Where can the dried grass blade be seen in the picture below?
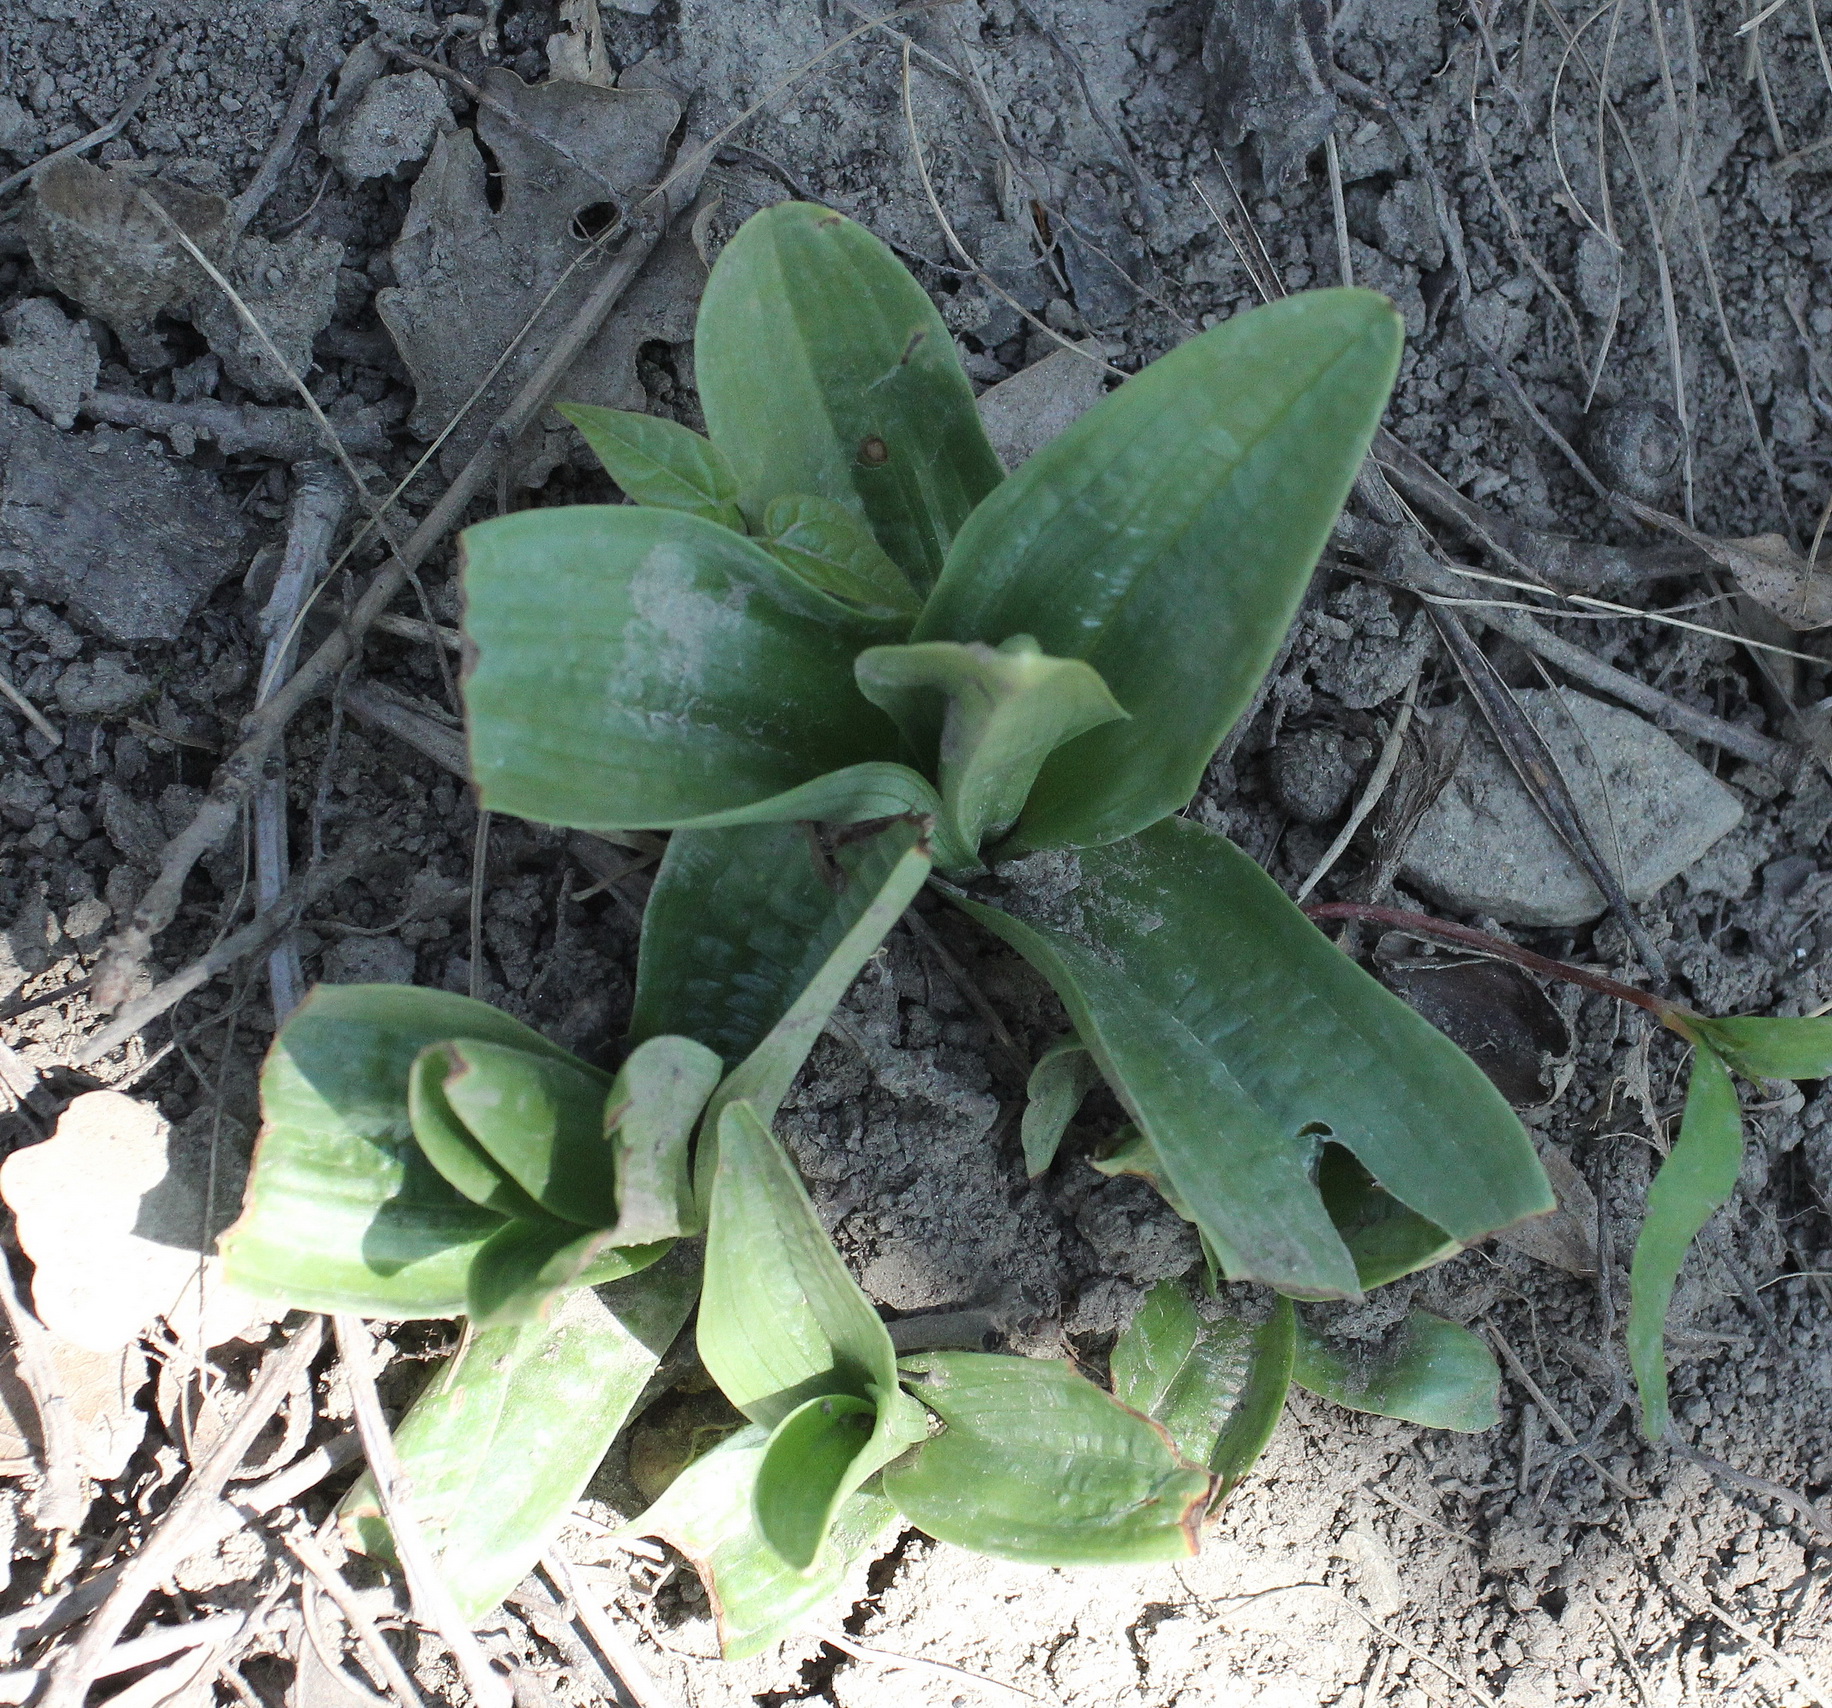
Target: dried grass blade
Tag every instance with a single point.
(1538, 771)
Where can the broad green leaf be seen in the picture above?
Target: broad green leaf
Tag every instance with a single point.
(740, 922)
(450, 1146)
(781, 1320)
(1427, 1371)
(542, 1121)
(1694, 1183)
(343, 1211)
(1037, 1464)
(1237, 1036)
(708, 1515)
(522, 1268)
(643, 668)
(985, 717)
(1385, 1238)
(509, 1431)
(649, 1120)
(1761, 1048)
(748, 945)
(1167, 537)
(1217, 1384)
(827, 544)
(808, 1470)
(658, 461)
(823, 368)
(1065, 1073)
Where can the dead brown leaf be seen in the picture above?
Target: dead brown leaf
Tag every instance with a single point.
(499, 215)
(1765, 566)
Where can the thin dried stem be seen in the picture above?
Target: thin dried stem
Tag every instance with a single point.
(30, 712)
(175, 1536)
(304, 1548)
(1378, 780)
(102, 133)
(618, 1652)
(432, 1596)
(1468, 937)
(61, 1504)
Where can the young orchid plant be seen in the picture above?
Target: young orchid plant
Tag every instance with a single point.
(837, 653)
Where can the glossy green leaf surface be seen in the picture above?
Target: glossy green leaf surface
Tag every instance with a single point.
(541, 1120)
(1385, 1239)
(509, 1431)
(1216, 1383)
(824, 368)
(649, 1120)
(1761, 1048)
(1237, 1036)
(708, 1515)
(829, 545)
(1694, 1183)
(740, 922)
(1167, 537)
(1065, 1073)
(1037, 1464)
(450, 1146)
(749, 942)
(525, 1266)
(644, 668)
(343, 1211)
(660, 462)
(781, 1321)
(1426, 1371)
(985, 717)
(808, 1471)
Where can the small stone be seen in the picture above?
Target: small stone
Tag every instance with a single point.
(369, 960)
(1484, 847)
(17, 126)
(1022, 414)
(290, 287)
(1500, 324)
(50, 361)
(391, 126)
(103, 689)
(129, 542)
(1314, 771)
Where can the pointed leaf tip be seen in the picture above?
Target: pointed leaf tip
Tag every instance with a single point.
(1166, 538)
(824, 368)
(1694, 1183)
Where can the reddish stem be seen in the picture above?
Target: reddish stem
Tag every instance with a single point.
(1423, 925)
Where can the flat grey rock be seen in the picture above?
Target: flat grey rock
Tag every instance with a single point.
(50, 361)
(103, 689)
(1484, 847)
(128, 541)
(1022, 414)
(392, 125)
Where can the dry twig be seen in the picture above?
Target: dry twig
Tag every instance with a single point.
(299, 894)
(30, 712)
(304, 1548)
(60, 1504)
(432, 1596)
(176, 1535)
(618, 1652)
(102, 133)
(319, 500)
